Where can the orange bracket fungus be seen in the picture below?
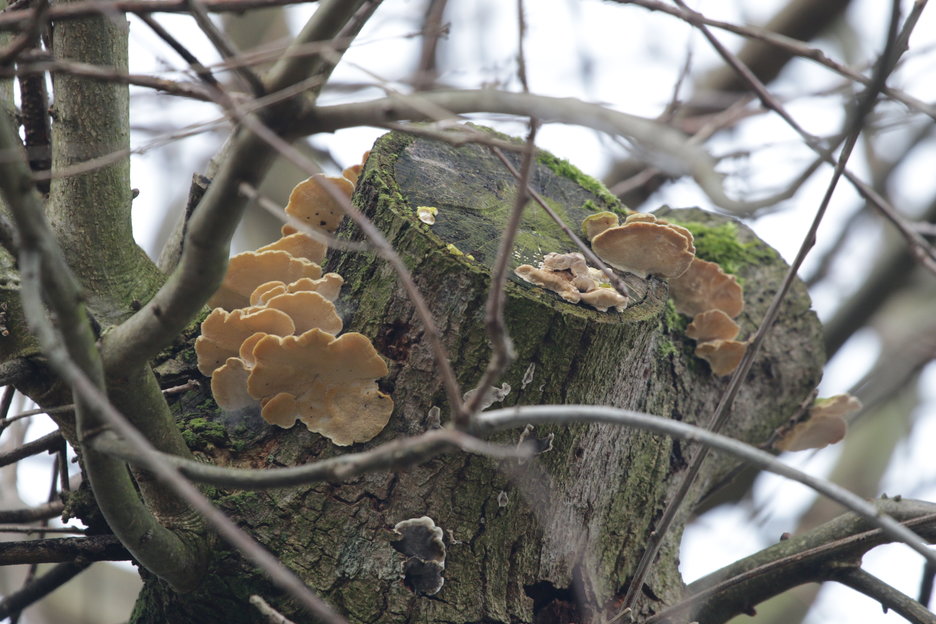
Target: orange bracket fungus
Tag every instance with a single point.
(644, 245)
(712, 325)
(824, 424)
(420, 540)
(704, 286)
(250, 269)
(272, 340)
(327, 383)
(223, 332)
(314, 203)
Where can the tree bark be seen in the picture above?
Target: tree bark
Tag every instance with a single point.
(532, 542)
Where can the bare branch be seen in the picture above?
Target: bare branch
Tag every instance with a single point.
(888, 596)
(61, 549)
(667, 148)
(32, 514)
(565, 414)
(394, 455)
(46, 443)
(815, 556)
(42, 587)
(14, 20)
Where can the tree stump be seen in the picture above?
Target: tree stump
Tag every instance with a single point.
(525, 542)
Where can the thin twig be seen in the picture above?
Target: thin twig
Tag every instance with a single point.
(565, 414)
(23, 528)
(393, 455)
(61, 549)
(223, 45)
(45, 444)
(14, 20)
(32, 514)
(887, 595)
(271, 615)
(200, 70)
(41, 587)
(799, 559)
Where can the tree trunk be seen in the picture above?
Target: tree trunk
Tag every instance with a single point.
(524, 542)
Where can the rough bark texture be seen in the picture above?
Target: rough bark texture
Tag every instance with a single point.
(522, 540)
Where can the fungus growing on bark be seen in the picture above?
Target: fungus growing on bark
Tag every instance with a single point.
(298, 245)
(223, 332)
(250, 269)
(560, 282)
(308, 310)
(329, 286)
(603, 299)
(314, 203)
(229, 385)
(722, 355)
(571, 278)
(704, 286)
(646, 248)
(420, 540)
(327, 383)
(595, 224)
(712, 325)
(823, 425)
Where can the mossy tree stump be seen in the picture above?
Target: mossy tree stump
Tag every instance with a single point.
(520, 538)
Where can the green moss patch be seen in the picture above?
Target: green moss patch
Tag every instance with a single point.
(720, 243)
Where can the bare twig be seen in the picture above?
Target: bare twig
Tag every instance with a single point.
(42, 587)
(809, 557)
(32, 514)
(23, 528)
(60, 549)
(223, 45)
(271, 615)
(564, 414)
(393, 455)
(59, 12)
(887, 595)
(46, 443)
(666, 147)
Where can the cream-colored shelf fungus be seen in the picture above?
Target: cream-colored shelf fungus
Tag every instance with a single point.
(273, 341)
(645, 245)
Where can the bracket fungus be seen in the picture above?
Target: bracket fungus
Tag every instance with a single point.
(272, 340)
(327, 383)
(569, 276)
(595, 224)
(712, 325)
(313, 201)
(705, 286)
(644, 245)
(420, 540)
(222, 333)
(250, 269)
(824, 424)
(329, 286)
